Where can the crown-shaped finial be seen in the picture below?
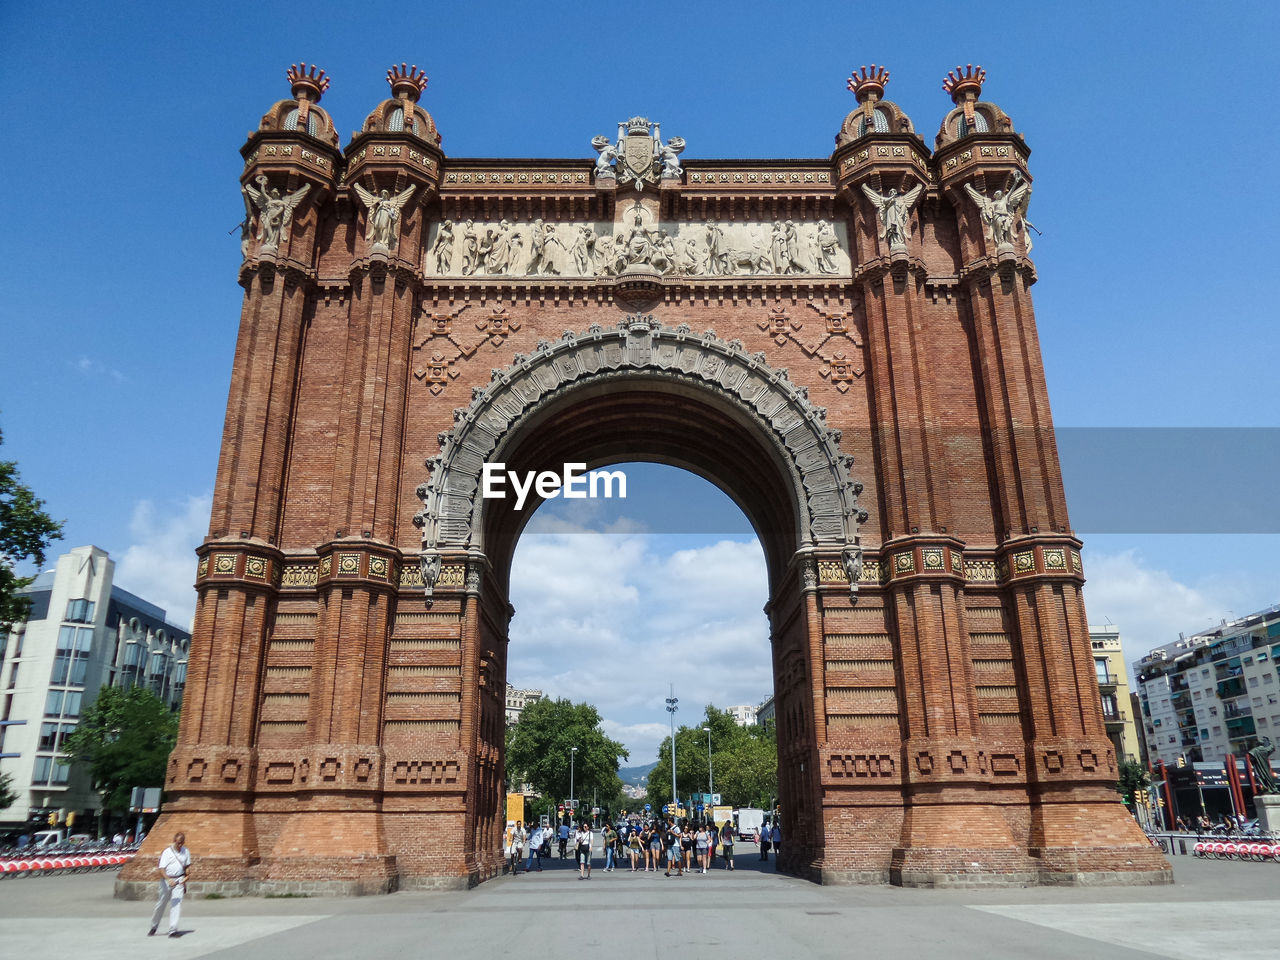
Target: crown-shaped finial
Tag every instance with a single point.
(407, 82)
(307, 86)
(960, 83)
(869, 83)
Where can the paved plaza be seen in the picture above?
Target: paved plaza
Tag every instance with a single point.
(1214, 909)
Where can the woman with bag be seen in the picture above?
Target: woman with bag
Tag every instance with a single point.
(764, 840)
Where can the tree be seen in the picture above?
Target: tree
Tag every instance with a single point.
(539, 745)
(1132, 779)
(744, 763)
(8, 796)
(126, 736)
(25, 531)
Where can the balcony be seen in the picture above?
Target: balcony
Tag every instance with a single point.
(1107, 679)
(1178, 683)
(1240, 727)
(1114, 718)
(1231, 688)
(1232, 710)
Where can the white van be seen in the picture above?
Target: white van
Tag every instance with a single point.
(46, 838)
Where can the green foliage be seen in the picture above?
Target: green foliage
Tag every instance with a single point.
(744, 763)
(25, 531)
(8, 796)
(538, 749)
(1133, 777)
(126, 736)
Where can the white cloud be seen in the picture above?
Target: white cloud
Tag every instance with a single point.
(614, 621)
(1150, 607)
(160, 565)
(92, 367)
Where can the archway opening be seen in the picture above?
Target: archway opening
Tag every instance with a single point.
(618, 602)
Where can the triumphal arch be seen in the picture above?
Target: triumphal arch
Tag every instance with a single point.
(846, 345)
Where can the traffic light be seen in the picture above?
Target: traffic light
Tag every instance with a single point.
(71, 819)
(53, 819)
(1182, 762)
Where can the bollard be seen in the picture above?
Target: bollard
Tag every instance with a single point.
(1183, 845)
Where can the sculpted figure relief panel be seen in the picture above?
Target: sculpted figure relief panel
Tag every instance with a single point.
(472, 248)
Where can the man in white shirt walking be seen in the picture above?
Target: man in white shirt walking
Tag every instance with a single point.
(174, 868)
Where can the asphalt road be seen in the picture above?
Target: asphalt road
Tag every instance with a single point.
(1216, 908)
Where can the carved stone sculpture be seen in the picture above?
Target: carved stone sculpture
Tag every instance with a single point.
(716, 262)
(1000, 213)
(669, 153)
(382, 228)
(582, 251)
(639, 156)
(828, 246)
(542, 237)
(608, 154)
(443, 248)
(275, 212)
(893, 210)
(470, 249)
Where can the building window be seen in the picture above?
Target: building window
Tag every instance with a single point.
(1253, 681)
(80, 611)
(1217, 731)
(1204, 673)
(1268, 678)
(1204, 732)
(1195, 695)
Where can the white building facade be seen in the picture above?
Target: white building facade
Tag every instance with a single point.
(83, 633)
(1212, 694)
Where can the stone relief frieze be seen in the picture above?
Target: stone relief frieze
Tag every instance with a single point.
(503, 248)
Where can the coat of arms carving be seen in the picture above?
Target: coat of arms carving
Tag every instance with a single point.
(639, 156)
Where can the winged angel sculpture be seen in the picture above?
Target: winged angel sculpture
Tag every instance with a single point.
(384, 215)
(894, 208)
(275, 212)
(1003, 212)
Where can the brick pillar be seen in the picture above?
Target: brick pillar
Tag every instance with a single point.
(950, 830)
(1079, 828)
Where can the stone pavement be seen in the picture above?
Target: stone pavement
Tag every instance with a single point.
(1215, 908)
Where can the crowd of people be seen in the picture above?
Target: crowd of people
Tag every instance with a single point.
(675, 847)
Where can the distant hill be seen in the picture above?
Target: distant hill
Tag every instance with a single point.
(636, 776)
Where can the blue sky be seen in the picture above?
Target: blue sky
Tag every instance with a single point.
(1151, 139)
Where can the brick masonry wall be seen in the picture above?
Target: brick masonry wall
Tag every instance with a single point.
(338, 729)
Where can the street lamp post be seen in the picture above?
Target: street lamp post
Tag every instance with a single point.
(573, 804)
(711, 780)
(671, 709)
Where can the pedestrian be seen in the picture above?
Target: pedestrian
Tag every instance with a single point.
(674, 853)
(700, 846)
(508, 838)
(563, 837)
(686, 846)
(726, 844)
(776, 839)
(173, 869)
(656, 846)
(582, 844)
(764, 840)
(534, 849)
(634, 848)
(610, 847)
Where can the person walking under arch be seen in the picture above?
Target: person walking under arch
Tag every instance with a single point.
(582, 844)
(174, 869)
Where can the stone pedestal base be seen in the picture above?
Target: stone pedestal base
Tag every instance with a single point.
(1268, 808)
